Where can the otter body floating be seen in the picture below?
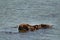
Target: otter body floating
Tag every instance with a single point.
(27, 27)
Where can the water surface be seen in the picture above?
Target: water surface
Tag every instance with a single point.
(15, 12)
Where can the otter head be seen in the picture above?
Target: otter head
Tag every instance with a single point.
(23, 27)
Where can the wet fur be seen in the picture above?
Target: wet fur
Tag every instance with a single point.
(27, 27)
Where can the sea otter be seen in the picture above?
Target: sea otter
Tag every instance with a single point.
(23, 27)
(27, 27)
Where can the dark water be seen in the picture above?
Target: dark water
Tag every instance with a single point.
(14, 12)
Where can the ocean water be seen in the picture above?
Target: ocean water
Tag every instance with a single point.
(15, 12)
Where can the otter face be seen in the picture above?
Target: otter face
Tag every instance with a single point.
(23, 27)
